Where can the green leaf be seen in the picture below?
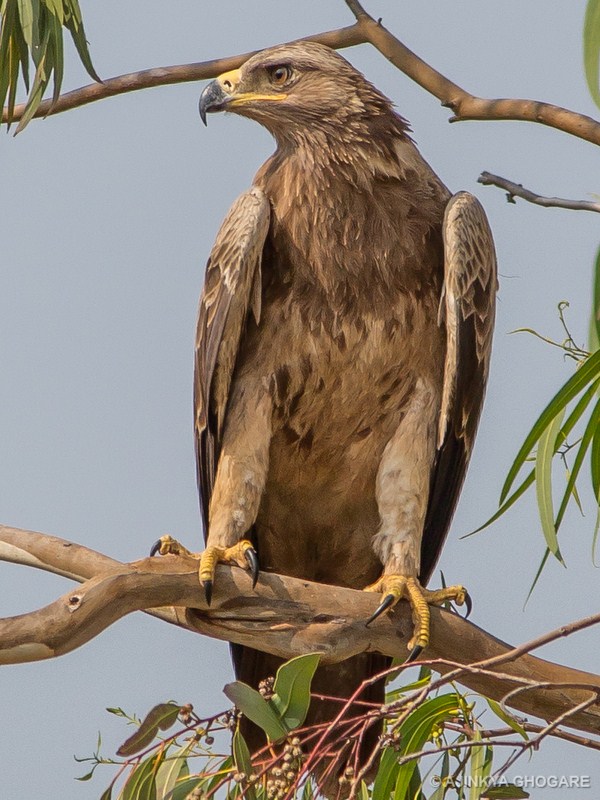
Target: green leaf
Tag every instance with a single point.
(291, 690)
(173, 769)
(255, 707)
(40, 81)
(594, 332)
(363, 791)
(442, 779)
(417, 729)
(543, 483)
(182, 790)
(107, 794)
(595, 463)
(308, 792)
(7, 27)
(58, 58)
(396, 694)
(415, 787)
(26, 16)
(161, 717)
(117, 712)
(88, 775)
(509, 719)
(480, 761)
(75, 26)
(386, 775)
(506, 792)
(243, 761)
(591, 48)
(586, 374)
(566, 429)
(141, 783)
(595, 537)
(588, 435)
(537, 574)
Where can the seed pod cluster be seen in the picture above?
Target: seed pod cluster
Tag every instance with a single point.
(283, 776)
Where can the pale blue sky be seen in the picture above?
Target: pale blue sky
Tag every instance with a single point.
(108, 214)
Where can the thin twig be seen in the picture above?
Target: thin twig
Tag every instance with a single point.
(547, 731)
(518, 190)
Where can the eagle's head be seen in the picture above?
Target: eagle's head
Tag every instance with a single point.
(295, 88)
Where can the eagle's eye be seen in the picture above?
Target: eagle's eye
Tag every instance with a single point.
(280, 74)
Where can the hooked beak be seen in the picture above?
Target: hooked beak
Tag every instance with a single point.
(218, 93)
(223, 94)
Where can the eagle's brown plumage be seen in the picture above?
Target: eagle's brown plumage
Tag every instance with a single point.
(343, 341)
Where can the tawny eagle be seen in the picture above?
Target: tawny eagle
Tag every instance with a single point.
(342, 352)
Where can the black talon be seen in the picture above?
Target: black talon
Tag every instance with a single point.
(468, 604)
(414, 654)
(155, 548)
(383, 606)
(208, 587)
(252, 559)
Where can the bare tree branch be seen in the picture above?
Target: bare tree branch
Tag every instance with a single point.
(74, 561)
(284, 616)
(464, 105)
(517, 190)
(164, 76)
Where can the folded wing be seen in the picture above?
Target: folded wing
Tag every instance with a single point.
(232, 289)
(467, 309)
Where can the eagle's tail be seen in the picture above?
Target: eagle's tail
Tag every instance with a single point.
(331, 681)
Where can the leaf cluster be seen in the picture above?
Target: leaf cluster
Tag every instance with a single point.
(433, 747)
(574, 410)
(32, 31)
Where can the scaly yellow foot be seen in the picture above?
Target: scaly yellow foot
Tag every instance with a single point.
(242, 553)
(396, 587)
(166, 545)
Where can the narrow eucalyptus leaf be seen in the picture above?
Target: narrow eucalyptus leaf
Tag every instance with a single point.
(57, 46)
(75, 26)
(243, 761)
(256, 708)
(508, 791)
(537, 574)
(161, 717)
(586, 374)
(141, 783)
(88, 775)
(543, 483)
(594, 333)
(588, 435)
(509, 719)
(26, 16)
(591, 48)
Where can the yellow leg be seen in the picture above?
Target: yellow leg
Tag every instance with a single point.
(397, 587)
(242, 553)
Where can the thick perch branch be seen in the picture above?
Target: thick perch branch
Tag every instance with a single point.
(283, 616)
(518, 190)
(366, 30)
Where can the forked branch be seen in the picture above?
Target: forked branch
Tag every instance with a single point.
(284, 616)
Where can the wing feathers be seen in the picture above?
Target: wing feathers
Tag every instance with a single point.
(232, 286)
(467, 310)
